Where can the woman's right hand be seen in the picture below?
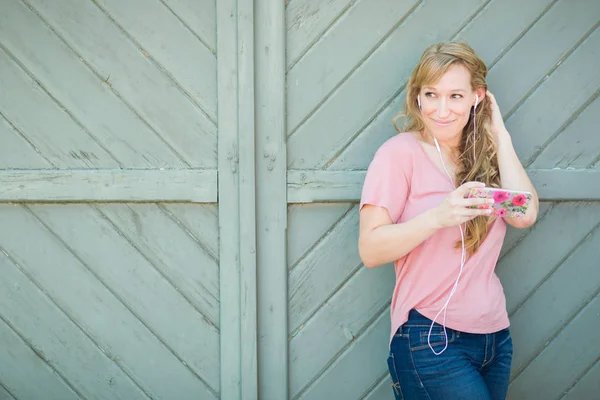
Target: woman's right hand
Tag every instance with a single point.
(455, 209)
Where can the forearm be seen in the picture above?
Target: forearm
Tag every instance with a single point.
(389, 243)
(514, 177)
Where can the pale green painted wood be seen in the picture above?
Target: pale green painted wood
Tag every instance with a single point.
(501, 18)
(168, 42)
(4, 394)
(588, 386)
(73, 148)
(201, 221)
(16, 151)
(573, 350)
(200, 16)
(108, 185)
(310, 186)
(382, 391)
(358, 367)
(561, 296)
(188, 333)
(271, 201)
(577, 146)
(514, 236)
(573, 82)
(530, 263)
(337, 323)
(83, 93)
(317, 74)
(105, 318)
(40, 381)
(540, 49)
(331, 262)
(57, 340)
(137, 80)
(355, 101)
(307, 21)
(307, 223)
(172, 251)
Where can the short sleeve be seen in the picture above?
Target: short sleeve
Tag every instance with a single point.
(387, 182)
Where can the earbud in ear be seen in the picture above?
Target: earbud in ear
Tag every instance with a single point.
(476, 100)
(419, 101)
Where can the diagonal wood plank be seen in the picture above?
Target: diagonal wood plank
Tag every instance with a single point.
(318, 73)
(58, 342)
(201, 221)
(358, 367)
(577, 146)
(307, 224)
(554, 303)
(576, 346)
(337, 324)
(382, 390)
(318, 275)
(164, 39)
(73, 148)
(94, 38)
(307, 21)
(102, 316)
(200, 16)
(360, 151)
(141, 287)
(172, 251)
(86, 96)
(5, 394)
(534, 259)
(331, 127)
(560, 96)
(16, 152)
(514, 236)
(541, 49)
(587, 387)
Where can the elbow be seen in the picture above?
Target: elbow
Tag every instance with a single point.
(366, 256)
(524, 222)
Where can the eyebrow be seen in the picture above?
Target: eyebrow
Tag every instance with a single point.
(454, 90)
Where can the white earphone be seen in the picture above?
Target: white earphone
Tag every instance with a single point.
(463, 257)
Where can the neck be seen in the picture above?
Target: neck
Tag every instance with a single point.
(450, 147)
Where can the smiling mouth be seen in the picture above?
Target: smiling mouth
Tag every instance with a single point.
(444, 123)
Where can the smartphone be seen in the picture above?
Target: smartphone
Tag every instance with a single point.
(507, 203)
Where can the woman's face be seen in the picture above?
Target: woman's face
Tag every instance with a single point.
(446, 105)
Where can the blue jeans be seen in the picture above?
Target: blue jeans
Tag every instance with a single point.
(473, 367)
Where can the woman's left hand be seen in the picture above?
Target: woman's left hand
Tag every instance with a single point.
(497, 123)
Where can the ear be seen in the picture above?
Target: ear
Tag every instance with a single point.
(480, 96)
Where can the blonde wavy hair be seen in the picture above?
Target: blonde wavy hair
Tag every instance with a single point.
(482, 167)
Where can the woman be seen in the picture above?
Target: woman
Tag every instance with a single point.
(450, 337)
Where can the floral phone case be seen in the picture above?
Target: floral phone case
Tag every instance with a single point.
(507, 203)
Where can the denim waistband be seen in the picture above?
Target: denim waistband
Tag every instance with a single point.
(415, 318)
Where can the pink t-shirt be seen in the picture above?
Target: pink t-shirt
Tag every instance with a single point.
(404, 180)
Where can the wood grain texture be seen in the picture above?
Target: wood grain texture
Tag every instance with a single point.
(561, 95)
(108, 185)
(143, 85)
(587, 386)
(363, 361)
(88, 97)
(312, 186)
(189, 334)
(544, 249)
(319, 274)
(338, 323)
(73, 148)
(104, 317)
(364, 25)
(174, 253)
(200, 16)
(169, 43)
(271, 200)
(307, 21)
(577, 146)
(575, 347)
(50, 345)
(572, 285)
(16, 152)
(201, 221)
(335, 123)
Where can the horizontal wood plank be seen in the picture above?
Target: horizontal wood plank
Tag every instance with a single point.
(310, 186)
(108, 185)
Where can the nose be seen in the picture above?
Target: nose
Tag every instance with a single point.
(443, 111)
